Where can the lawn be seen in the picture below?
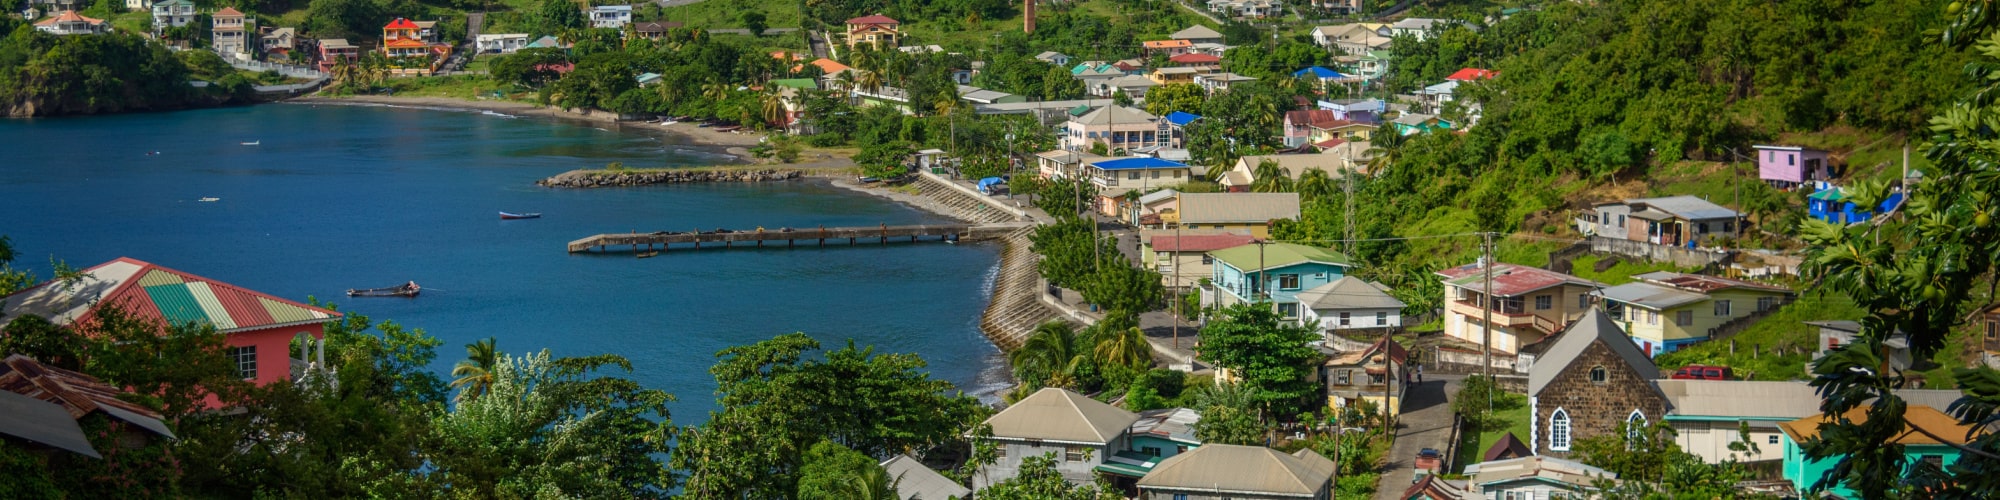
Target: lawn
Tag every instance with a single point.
(718, 14)
(461, 87)
(1586, 267)
(1775, 348)
(1510, 414)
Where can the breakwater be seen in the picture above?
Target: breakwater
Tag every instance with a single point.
(623, 178)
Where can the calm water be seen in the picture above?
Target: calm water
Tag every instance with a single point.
(339, 197)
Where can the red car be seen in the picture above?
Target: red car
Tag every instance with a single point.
(1703, 372)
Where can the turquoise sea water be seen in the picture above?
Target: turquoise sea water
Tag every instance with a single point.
(339, 197)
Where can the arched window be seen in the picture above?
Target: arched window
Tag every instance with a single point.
(1598, 374)
(1559, 430)
(1635, 425)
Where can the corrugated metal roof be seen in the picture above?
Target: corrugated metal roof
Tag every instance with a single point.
(1136, 163)
(1200, 242)
(1649, 295)
(1508, 279)
(1542, 467)
(1241, 469)
(1253, 208)
(76, 393)
(1686, 206)
(1054, 414)
(1348, 292)
(42, 422)
(1595, 326)
(1115, 115)
(1250, 258)
(148, 291)
(915, 481)
(1739, 398)
(1930, 420)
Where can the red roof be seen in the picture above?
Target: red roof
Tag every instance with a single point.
(156, 293)
(1194, 58)
(1510, 280)
(228, 11)
(68, 16)
(1329, 143)
(1315, 118)
(1470, 74)
(400, 23)
(1200, 243)
(874, 19)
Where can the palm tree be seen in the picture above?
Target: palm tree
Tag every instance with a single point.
(475, 372)
(1270, 178)
(717, 92)
(346, 73)
(1049, 356)
(1127, 347)
(871, 81)
(1315, 184)
(773, 106)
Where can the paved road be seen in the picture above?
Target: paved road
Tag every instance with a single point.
(741, 31)
(1424, 423)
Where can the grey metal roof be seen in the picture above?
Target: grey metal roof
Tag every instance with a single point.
(1176, 424)
(1539, 467)
(1243, 470)
(1739, 398)
(914, 481)
(1687, 207)
(1054, 414)
(1116, 115)
(1032, 106)
(1210, 208)
(1348, 292)
(1839, 324)
(1650, 296)
(42, 422)
(1595, 326)
(1196, 31)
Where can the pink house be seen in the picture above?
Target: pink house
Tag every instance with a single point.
(1789, 166)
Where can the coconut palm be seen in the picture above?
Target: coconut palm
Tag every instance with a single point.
(1049, 356)
(1125, 347)
(716, 92)
(871, 81)
(1270, 178)
(346, 73)
(475, 372)
(773, 106)
(1315, 184)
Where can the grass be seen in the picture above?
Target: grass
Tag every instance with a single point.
(1712, 181)
(1775, 348)
(135, 22)
(1510, 414)
(1586, 267)
(718, 14)
(459, 86)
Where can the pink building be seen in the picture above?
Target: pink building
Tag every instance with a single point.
(1789, 166)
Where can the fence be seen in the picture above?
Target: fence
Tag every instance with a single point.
(282, 69)
(1459, 361)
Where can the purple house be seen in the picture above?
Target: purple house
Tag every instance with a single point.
(1788, 166)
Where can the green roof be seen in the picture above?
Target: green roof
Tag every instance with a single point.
(1129, 463)
(1832, 194)
(797, 83)
(1276, 255)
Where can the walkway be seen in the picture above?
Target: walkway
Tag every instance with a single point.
(1424, 423)
(283, 69)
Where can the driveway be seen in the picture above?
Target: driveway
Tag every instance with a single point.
(1424, 423)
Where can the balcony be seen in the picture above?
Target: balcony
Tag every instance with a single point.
(1509, 314)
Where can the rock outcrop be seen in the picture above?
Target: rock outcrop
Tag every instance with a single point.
(617, 178)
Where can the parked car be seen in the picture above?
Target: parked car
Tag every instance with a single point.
(1429, 461)
(1704, 372)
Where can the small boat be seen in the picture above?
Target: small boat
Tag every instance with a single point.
(404, 290)
(648, 255)
(211, 198)
(253, 143)
(512, 216)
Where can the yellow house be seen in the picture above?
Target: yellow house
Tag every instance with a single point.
(877, 31)
(1374, 374)
(1342, 129)
(1529, 304)
(1176, 74)
(1665, 311)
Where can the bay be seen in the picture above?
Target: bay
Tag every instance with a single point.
(339, 197)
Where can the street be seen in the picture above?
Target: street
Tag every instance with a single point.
(1424, 423)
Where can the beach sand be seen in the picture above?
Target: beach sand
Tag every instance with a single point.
(734, 141)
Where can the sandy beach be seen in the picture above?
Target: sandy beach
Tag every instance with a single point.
(735, 141)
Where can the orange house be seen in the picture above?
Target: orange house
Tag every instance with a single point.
(403, 39)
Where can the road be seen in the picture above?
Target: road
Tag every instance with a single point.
(1424, 423)
(741, 31)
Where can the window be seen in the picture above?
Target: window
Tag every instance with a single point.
(1180, 496)
(1728, 226)
(1621, 220)
(1381, 318)
(1832, 343)
(1582, 301)
(1288, 310)
(1773, 439)
(1652, 317)
(1288, 282)
(1073, 453)
(246, 361)
(1683, 318)
(1343, 318)
(1000, 452)
(1133, 175)
(1559, 430)
(1935, 461)
(1992, 328)
(1544, 302)
(1635, 425)
(1207, 259)
(1345, 377)
(1151, 451)
(1722, 308)
(1177, 174)
(1791, 160)
(1770, 156)
(1156, 174)
(1598, 374)
(1766, 303)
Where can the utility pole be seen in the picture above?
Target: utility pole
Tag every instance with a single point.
(1177, 284)
(1348, 176)
(1486, 309)
(1263, 293)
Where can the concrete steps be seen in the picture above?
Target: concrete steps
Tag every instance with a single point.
(962, 206)
(1016, 308)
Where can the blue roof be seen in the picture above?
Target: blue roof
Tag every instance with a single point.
(1182, 118)
(1137, 163)
(1317, 72)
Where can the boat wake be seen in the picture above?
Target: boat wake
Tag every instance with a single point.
(502, 115)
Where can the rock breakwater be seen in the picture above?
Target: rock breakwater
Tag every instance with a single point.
(622, 178)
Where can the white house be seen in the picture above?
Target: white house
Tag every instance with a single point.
(1534, 477)
(503, 43)
(68, 22)
(172, 13)
(610, 16)
(1418, 27)
(1349, 303)
(1080, 432)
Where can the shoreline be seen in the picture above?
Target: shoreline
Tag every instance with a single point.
(699, 136)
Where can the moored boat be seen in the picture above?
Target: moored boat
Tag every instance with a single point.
(404, 290)
(510, 216)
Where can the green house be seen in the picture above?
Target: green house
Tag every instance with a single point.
(1920, 423)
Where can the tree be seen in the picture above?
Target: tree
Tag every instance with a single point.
(1271, 357)
(1270, 178)
(1229, 415)
(1165, 99)
(1073, 256)
(1038, 479)
(1650, 454)
(475, 372)
(345, 18)
(1316, 184)
(753, 20)
(884, 160)
(560, 18)
(1125, 347)
(834, 472)
(1119, 287)
(1049, 357)
(1066, 197)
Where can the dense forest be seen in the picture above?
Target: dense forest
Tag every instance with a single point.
(48, 75)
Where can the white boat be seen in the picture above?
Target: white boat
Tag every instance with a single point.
(211, 198)
(253, 143)
(668, 122)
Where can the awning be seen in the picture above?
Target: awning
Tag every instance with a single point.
(1129, 463)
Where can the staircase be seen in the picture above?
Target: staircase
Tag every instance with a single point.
(962, 206)
(1017, 306)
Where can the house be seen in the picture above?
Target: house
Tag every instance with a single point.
(500, 43)
(1216, 82)
(1368, 65)
(1116, 176)
(1471, 74)
(1530, 303)
(1175, 74)
(1928, 436)
(978, 95)
(1414, 123)
(1251, 9)
(1183, 260)
(1351, 39)
(1429, 487)
(1275, 273)
(1351, 304)
(1080, 432)
(1247, 213)
(404, 39)
(258, 327)
(46, 406)
(1710, 415)
(427, 31)
(1591, 382)
(1134, 86)
(1177, 124)
(1672, 221)
(1197, 34)
(1220, 471)
(547, 42)
(228, 34)
(1432, 99)
(1197, 61)
(278, 42)
(1053, 57)
(1158, 435)
(1789, 166)
(1116, 127)
(130, 5)
(653, 30)
(1534, 477)
(334, 50)
(1319, 75)
(1241, 177)
(1062, 163)
(68, 22)
(1666, 311)
(172, 13)
(1831, 205)
(915, 481)
(1355, 110)
(878, 31)
(610, 16)
(1836, 333)
(1169, 47)
(1415, 27)
(1374, 374)
(1339, 6)
(1299, 125)
(1354, 155)
(1507, 448)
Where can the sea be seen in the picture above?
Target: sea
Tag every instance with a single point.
(334, 197)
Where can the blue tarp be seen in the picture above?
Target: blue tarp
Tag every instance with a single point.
(1317, 72)
(1182, 118)
(988, 183)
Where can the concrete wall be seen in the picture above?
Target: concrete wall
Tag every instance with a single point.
(1079, 472)
(1710, 439)
(1658, 253)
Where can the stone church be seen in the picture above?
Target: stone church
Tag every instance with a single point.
(1591, 382)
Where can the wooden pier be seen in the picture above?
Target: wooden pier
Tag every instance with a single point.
(790, 237)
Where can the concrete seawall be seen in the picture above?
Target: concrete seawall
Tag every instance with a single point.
(594, 178)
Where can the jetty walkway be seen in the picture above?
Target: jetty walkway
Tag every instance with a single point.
(722, 239)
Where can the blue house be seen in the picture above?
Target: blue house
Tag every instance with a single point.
(1831, 205)
(1920, 423)
(1176, 124)
(1275, 273)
